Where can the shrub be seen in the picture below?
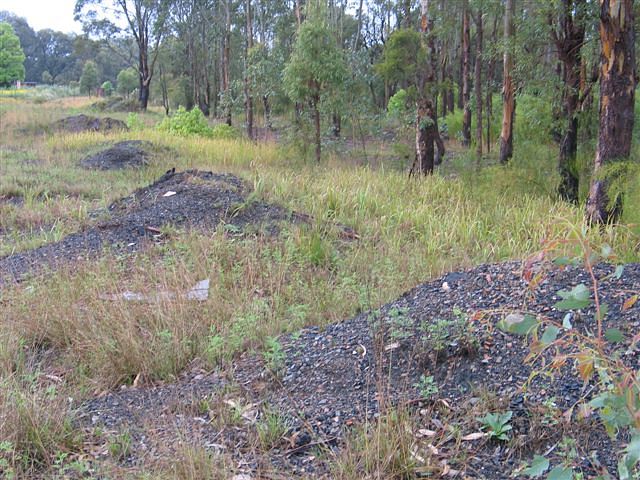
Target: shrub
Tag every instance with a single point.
(107, 87)
(134, 122)
(185, 123)
(223, 131)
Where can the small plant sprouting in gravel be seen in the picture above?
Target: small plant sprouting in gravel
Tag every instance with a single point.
(427, 387)
(271, 427)
(442, 334)
(120, 446)
(497, 424)
(400, 325)
(274, 356)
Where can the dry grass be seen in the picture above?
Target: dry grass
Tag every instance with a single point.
(409, 231)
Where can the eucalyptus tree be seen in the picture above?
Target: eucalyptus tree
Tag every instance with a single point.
(617, 100)
(145, 20)
(568, 25)
(508, 87)
(11, 56)
(316, 67)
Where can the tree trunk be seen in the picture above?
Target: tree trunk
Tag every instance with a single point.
(466, 94)
(165, 92)
(248, 99)
(427, 134)
(490, 78)
(337, 125)
(267, 112)
(316, 120)
(568, 41)
(226, 52)
(617, 95)
(508, 89)
(478, 84)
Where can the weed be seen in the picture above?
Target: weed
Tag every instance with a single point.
(380, 449)
(274, 356)
(457, 334)
(427, 387)
(618, 399)
(119, 446)
(497, 424)
(400, 325)
(271, 428)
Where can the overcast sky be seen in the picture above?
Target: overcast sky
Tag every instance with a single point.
(54, 14)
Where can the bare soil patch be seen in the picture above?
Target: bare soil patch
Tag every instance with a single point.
(86, 123)
(127, 154)
(333, 378)
(191, 200)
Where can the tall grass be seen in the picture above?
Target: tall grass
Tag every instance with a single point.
(409, 231)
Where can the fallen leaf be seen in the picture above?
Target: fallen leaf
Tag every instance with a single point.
(474, 436)
(423, 432)
(391, 346)
(170, 193)
(629, 302)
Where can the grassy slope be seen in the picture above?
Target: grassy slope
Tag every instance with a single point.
(409, 231)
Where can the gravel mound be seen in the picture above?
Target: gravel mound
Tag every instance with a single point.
(334, 377)
(131, 153)
(190, 199)
(86, 123)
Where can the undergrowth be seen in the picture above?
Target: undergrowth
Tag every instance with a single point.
(406, 232)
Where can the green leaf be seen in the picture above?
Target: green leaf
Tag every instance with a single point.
(565, 261)
(606, 251)
(550, 334)
(614, 335)
(520, 327)
(539, 465)
(618, 272)
(604, 310)
(560, 473)
(630, 459)
(574, 299)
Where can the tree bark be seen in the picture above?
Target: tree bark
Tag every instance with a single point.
(568, 39)
(466, 94)
(316, 121)
(508, 89)
(248, 99)
(226, 53)
(478, 83)
(427, 135)
(617, 95)
(490, 79)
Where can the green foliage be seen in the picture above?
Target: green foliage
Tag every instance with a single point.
(127, 81)
(47, 78)
(316, 65)
(400, 325)
(264, 69)
(271, 427)
(186, 123)
(623, 186)
(403, 55)
(11, 56)
(497, 424)
(222, 131)
(107, 87)
(398, 104)
(441, 334)
(274, 356)
(538, 466)
(134, 122)
(120, 446)
(427, 387)
(89, 77)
